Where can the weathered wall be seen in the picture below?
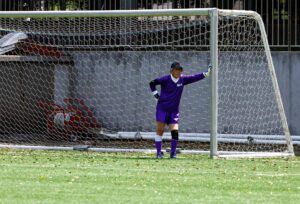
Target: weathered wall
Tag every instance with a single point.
(287, 65)
(115, 85)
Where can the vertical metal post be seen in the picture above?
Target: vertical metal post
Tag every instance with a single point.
(289, 24)
(214, 82)
(296, 20)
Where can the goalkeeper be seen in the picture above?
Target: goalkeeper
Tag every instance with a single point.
(167, 109)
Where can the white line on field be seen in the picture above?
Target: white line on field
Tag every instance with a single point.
(277, 174)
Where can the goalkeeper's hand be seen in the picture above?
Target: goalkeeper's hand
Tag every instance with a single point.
(156, 96)
(208, 71)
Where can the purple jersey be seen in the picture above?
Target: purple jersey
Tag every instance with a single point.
(171, 90)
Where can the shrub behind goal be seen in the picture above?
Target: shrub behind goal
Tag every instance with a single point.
(81, 78)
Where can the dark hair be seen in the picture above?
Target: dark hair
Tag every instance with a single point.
(176, 65)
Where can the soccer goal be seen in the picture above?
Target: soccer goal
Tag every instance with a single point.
(80, 80)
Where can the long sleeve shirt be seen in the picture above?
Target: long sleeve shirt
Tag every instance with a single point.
(171, 90)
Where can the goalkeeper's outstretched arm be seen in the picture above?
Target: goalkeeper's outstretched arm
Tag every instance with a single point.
(197, 77)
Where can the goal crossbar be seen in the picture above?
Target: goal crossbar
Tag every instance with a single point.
(108, 13)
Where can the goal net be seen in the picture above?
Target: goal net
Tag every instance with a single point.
(82, 78)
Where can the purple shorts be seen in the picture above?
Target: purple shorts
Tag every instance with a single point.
(167, 116)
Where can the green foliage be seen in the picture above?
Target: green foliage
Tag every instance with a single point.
(89, 177)
(69, 5)
(77, 4)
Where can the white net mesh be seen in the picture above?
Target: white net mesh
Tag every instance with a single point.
(248, 110)
(85, 80)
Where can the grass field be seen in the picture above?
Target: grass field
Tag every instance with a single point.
(89, 177)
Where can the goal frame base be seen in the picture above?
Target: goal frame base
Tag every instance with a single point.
(220, 155)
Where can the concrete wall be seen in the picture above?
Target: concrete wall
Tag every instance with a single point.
(287, 65)
(115, 86)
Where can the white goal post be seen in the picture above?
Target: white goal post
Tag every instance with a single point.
(214, 56)
(81, 78)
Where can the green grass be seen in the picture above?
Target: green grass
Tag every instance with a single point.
(89, 177)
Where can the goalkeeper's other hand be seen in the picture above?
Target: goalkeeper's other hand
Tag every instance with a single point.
(156, 96)
(208, 71)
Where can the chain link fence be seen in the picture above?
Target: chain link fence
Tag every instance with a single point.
(281, 17)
